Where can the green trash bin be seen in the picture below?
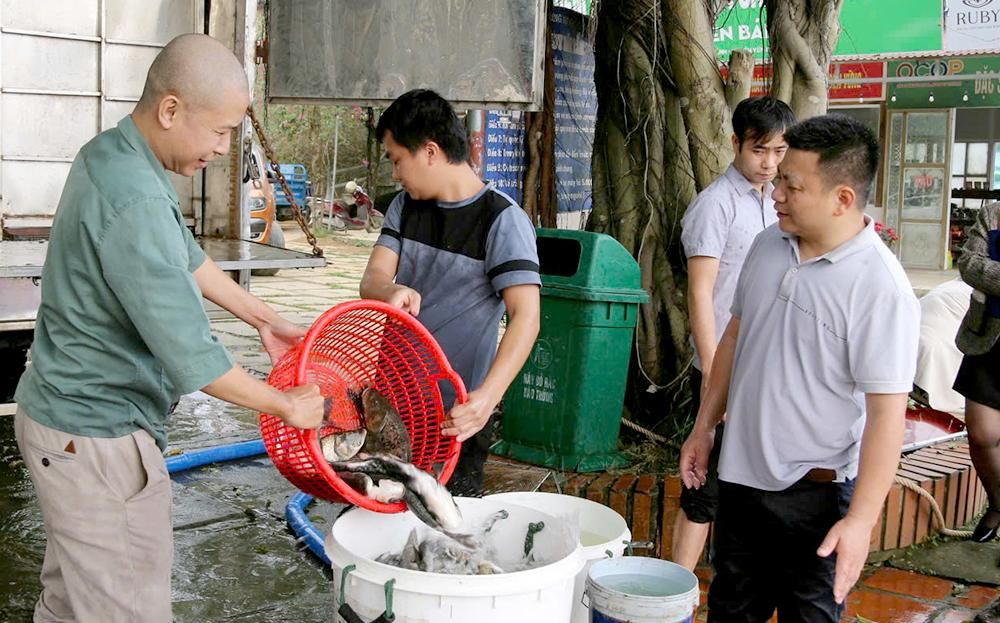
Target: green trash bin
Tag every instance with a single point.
(564, 408)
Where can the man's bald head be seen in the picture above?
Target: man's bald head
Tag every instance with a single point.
(195, 97)
(198, 70)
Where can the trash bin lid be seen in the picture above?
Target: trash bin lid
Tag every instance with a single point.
(575, 260)
(583, 293)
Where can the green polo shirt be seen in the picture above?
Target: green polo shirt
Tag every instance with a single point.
(121, 331)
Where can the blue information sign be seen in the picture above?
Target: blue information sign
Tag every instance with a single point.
(503, 146)
(576, 110)
(575, 116)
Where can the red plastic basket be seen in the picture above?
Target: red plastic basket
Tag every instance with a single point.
(358, 344)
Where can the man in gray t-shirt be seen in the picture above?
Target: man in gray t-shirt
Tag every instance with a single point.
(456, 253)
(813, 373)
(717, 230)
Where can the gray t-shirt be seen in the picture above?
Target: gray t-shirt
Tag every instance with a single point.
(722, 222)
(814, 338)
(460, 257)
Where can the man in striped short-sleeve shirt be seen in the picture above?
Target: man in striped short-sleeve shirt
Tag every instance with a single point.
(457, 254)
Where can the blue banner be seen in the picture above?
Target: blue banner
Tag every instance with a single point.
(575, 117)
(576, 110)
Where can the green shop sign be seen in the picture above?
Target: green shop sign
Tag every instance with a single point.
(867, 27)
(951, 82)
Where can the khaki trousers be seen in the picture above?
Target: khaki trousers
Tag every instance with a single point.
(106, 505)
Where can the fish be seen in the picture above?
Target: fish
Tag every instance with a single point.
(395, 560)
(342, 446)
(426, 498)
(383, 490)
(327, 411)
(437, 554)
(409, 558)
(387, 434)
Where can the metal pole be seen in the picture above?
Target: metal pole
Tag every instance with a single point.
(331, 193)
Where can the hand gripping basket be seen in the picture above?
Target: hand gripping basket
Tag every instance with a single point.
(358, 344)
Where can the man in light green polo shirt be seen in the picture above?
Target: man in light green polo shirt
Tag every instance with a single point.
(121, 333)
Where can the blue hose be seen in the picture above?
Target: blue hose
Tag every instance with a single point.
(217, 454)
(295, 515)
(295, 511)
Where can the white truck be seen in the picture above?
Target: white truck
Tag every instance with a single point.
(70, 69)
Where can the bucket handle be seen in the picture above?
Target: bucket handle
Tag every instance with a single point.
(631, 546)
(348, 613)
(388, 616)
(585, 600)
(343, 583)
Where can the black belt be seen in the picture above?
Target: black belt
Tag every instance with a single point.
(820, 474)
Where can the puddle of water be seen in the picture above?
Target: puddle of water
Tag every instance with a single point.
(22, 538)
(200, 421)
(234, 558)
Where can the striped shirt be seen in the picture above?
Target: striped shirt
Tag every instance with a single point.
(460, 257)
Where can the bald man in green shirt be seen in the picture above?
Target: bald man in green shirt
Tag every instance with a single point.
(121, 334)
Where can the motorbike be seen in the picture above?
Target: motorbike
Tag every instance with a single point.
(355, 210)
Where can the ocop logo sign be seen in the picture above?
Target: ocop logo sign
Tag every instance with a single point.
(933, 67)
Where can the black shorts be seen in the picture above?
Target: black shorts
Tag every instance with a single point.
(979, 378)
(699, 505)
(469, 475)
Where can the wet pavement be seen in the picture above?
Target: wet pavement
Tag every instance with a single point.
(22, 540)
(235, 559)
(887, 595)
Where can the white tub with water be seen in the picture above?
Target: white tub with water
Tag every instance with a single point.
(603, 532)
(543, 594)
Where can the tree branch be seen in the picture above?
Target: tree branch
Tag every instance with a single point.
(699, 85)
(801, 51)
(740, 80)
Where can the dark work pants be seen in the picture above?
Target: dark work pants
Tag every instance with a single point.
(765, 553)
(467, 479)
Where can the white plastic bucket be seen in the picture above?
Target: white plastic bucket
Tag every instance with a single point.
(602, 532)
(543, 594)
(636, 589)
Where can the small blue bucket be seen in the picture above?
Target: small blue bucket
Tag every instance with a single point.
(635, 589)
